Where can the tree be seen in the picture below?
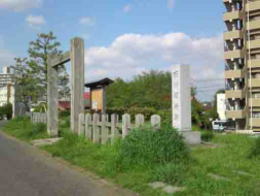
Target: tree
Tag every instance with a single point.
(149, 89)
(25, 88)
(32, 71)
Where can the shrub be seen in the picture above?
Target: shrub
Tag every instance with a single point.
(64, 113)
(64, 122)
(207, 135)
(147, 147)
(146, 111)
(255, 150)
(6, 110)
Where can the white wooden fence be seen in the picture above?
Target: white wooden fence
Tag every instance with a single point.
(103, 128)
(37, 117)
(106, 129)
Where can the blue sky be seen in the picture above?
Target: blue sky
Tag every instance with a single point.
(122, 37)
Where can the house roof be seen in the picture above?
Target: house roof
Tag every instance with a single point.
(100, 83)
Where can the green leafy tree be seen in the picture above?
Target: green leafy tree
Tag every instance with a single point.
(149, 89)
(32, 71)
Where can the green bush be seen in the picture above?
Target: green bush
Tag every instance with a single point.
(147, 147)
(207, 135)
(147, 112)
(64, 122)
(255, 150)
(64, 113)
(6, 111)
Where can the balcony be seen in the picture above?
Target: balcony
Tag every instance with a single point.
(233, 54)
(239, 94)
(253, 6)
(253, 44)
(236, 114)
(254, 102)
(253, 24)
(234, 15)
(234, 74)
(233, 34)
(255, 82)
(254, 122)
(253, 63)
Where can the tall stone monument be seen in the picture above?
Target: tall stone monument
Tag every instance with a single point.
(181, 103)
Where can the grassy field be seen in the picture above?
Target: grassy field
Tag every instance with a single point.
(220, 169)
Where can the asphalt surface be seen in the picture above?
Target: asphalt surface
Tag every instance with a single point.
(26, 171)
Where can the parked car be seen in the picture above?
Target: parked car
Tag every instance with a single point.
(219, 125)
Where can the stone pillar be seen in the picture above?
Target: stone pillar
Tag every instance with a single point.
(52, 96)
(77, 81)
(181, 104)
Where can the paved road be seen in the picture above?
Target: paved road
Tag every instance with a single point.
(25, 171)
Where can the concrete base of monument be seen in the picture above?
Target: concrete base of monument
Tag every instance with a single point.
(191, 137)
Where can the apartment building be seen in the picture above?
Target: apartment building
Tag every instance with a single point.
(242, 63)
(7, 90)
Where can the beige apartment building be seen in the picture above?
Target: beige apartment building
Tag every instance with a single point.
(242, 59)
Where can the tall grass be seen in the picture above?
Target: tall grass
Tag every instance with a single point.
(22, 128)
(255, 150)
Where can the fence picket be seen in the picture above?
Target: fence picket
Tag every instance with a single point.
(104, 129)
(95, 128)
(88, 132)
(126, 123)
(114, 133)
(139, 120)
(81, 124)
(156, 121)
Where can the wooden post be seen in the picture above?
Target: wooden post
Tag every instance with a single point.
(88, 126)
(126, 124)
(52, 95)
(95, 128)
(81, 124)
(104, 129)
(77, 81)
(139, 120)
(156, 121)
(114, 133)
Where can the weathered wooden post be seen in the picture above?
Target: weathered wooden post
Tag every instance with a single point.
(88, 126)
(114, 133)
(95, 128)
(77, 81)
(156, 121)
(81, 128)
(126, 124)
(52, 96)
(104, 129)
(139, 120)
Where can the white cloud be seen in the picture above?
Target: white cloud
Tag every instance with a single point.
(6, 57)
(87, 21)
(19, 5)
(35, 21)
(127, 8)
(130, 54)
(170, 4)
